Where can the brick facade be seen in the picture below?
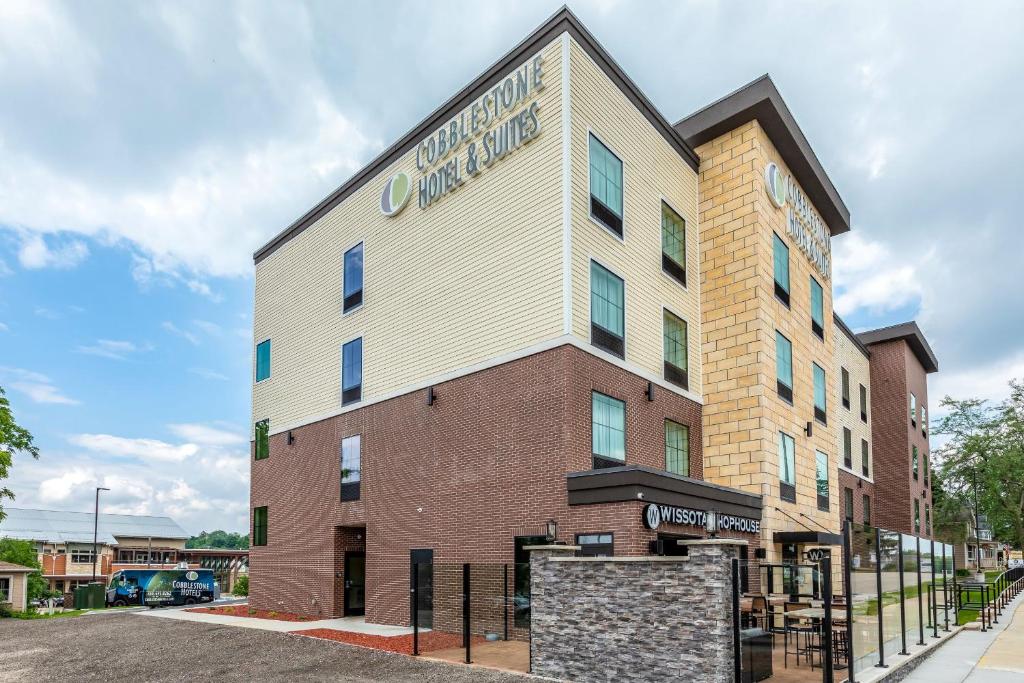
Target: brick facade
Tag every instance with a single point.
(485, 463)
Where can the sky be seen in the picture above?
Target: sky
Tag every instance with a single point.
(148, 149)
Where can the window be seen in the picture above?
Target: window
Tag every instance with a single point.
(866, 504)
(865, 469)
(847, 448)
(917, 516)
(607, 310)
(927, 519)
(259, 526)
(263, 361)
(845, 374)
(608, 430)
(352, 276)
(780, 258)
(787, 467)
(352, 371)
(82, 554)
(595, 545)
(784, 366)
(262, 438)
(817, 309)
(913, 460)
(821, 477)
(924, 421)
(924, 467)
(848, 504)
(913, 410)
(819, 393)
(673, 243)
(5, 589)
(863, 403)
(605, 186)
(350, 466)
(676, 362)
(677, 448)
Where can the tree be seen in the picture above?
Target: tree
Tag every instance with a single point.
(241, 585)
(219, 539)
(13, 439)
(985, 452)
(24, 553)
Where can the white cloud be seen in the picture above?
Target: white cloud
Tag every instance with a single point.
(4, 328)
(47, 313)
(36, 386)
(206, 435)
(58, 489)
(5, 270)
(190, 337)
(110, 348)
(211, 329)
(206, 373)
(866, 275)
(143, 449)
(35, 253)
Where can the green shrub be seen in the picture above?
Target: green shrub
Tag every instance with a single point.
(963, 572)
(241, 585)
(5, 611)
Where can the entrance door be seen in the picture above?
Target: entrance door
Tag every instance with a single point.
(422, 579)
(355, 584)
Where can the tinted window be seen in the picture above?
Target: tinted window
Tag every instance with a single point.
(352, 371)
(353, 277)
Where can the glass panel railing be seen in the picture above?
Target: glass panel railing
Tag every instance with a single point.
(928, 585)
(889, 566)
(864, 597)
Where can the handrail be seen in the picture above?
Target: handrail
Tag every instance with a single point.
(993, 596)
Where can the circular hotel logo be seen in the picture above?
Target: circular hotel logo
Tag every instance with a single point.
(775, 184)
(652, 516)
(395, 196)
(192, 576)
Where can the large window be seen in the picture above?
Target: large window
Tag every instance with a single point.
(5, 589)
(263, 361)
(821, 478)
(595, 545)
(848, 504)
(673, 243)
(865, 468)
(82, 554)
(262, 439)
(784, 366)
(259, 525)
(845, 374)
(817, 309)
(917, 516)
(913, 410)
(608, 430)
(866, 505)
(924, 467)
(787, 467)
(676, 362)
(819, 394)
(847, 448)
(605, 186)
(350, 466)
(927, 519)
(352, 371)
(924, 421)
(780, 258)
(914, 460)
(677, 448)
(607, 310)
(863, 403)
(353, 278)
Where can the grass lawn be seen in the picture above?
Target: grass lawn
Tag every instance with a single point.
(44, 615)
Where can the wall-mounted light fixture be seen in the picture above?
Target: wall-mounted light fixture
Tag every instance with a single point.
(860, 484)
(552, 531)
(760, 553)
(291, 438)
(711, 523)
(431, 396)
(809, 429)
(650, 391)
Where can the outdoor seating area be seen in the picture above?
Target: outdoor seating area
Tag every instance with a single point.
(783, 638)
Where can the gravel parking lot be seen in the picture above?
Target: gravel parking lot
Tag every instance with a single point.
(117, 647)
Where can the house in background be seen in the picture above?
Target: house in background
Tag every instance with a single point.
(14, 586)
(980, 551)
(64, 541)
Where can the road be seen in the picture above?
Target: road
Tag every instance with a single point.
(126, 646)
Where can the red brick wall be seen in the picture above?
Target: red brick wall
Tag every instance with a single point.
(860, 488)
(895, 372)
(485, 463)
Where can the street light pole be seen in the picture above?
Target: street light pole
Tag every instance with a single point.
(95, 531)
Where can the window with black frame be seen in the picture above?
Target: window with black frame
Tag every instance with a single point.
(607, 310)
(605, 186)
(350, 467)
(865, 469)
(787, 468)
(821, 477)
(352, 372)
(784, 367)
(845, 374)
(863, 403)
(817, 309)
(676, 350)
(847, 448)
(866, 509)
(352, 276)
(820, 394)
(848, 504)
(595, 545)
(780, 263)
(608, 430)
(673, 243)
(262, 439)
(259, 525)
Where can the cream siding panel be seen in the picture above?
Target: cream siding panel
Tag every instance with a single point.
(857, 364)
(652, 171)
(475, 275)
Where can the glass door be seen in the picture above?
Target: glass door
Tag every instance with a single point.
(355, 584)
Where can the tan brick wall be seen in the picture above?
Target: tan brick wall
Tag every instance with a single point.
(849, 356)
(742, 411)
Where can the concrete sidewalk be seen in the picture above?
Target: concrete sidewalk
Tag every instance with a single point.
(350, 624)
(996, 656)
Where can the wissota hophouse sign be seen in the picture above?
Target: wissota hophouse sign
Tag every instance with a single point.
(497, 123)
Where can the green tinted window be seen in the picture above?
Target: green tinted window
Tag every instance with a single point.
(781, 260)
(608, 427)
(783, 360)
(605, 176)
(819, 387)
(677, 448)
(263, 361)
(259, 526)
(607, 305)
(262, 438)
(821, 473)
(673, 235)
(675, 341)
(817, 303)
(787, 459)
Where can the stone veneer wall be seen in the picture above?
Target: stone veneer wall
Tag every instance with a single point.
(633, 618)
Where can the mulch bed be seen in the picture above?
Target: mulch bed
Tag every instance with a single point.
(429, 641)
(245, 611)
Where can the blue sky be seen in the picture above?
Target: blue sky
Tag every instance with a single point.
(147, 150)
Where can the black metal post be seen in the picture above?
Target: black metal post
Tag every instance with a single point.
(95, 531)
(465, 611)
(506, 600)
(415, 596)
(945, 589)
(848, 587)
(878, 585)
(826, 629)
(956, 592)
(903, 601)
(737, 667)
(921, 597)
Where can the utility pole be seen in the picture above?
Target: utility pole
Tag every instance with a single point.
(977, 528)
(95, 531)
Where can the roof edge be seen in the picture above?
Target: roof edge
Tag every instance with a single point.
(761, 100)
(912, 335)
(851, 335)
(560, 22)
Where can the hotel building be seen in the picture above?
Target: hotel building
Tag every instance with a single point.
(547, 313)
